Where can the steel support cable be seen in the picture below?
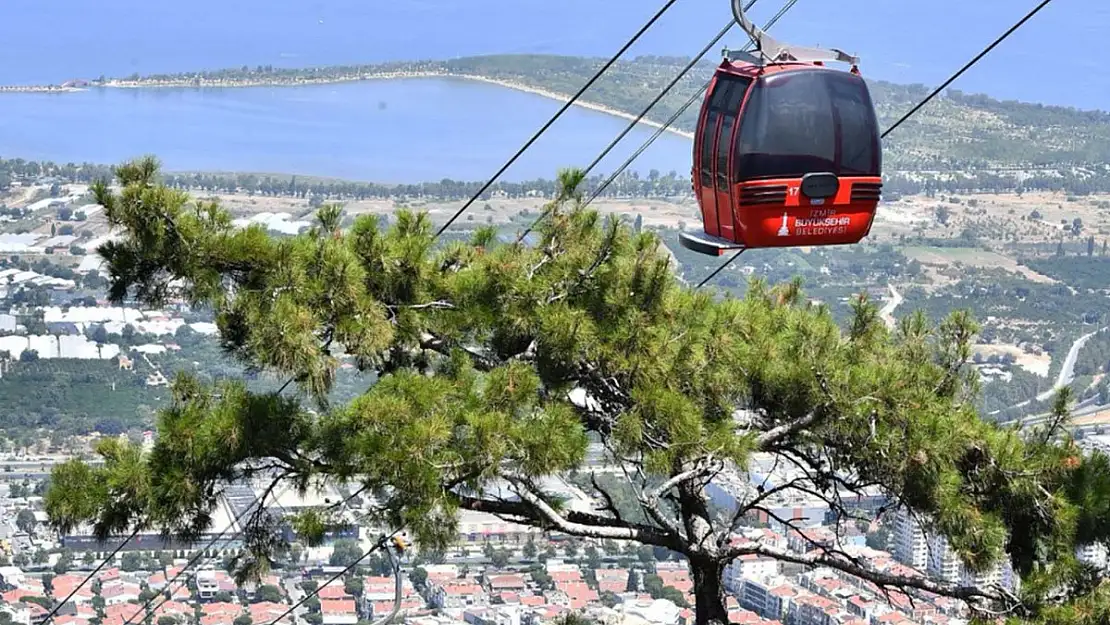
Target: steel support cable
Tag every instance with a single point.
(978, 57)
(647, 109)
(557, 115)
(190, 563)
(663, 128)
(169, 598)
(88, 577)
(381, 542)
(917, 107)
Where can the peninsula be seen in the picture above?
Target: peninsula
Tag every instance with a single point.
(535, 74)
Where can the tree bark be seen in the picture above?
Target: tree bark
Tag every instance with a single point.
(709, 591)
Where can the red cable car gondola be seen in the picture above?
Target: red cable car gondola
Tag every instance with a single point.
(787, 151)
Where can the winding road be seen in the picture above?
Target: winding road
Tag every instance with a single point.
(1066, 377)
(887, 312)
(1067, 372)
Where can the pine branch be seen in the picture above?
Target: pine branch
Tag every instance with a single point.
(770, 439)
(533, 511)
(649, 500)
(481, 361)
(436, 305)
(610, 506)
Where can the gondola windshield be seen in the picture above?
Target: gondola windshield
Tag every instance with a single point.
(807, 120)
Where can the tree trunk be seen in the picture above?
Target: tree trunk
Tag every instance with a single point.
(709, 592)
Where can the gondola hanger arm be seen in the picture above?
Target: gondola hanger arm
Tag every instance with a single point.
(774, 51)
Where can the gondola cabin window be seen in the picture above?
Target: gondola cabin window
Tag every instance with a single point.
(861, 152)
(728, 93)
(807, 120)
(736, 87)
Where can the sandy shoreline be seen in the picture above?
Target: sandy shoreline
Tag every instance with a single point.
(220, 84)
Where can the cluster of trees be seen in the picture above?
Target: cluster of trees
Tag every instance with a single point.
(73, 397)
(476, 349)
(1094, 358)
(1081, 272)
(998, 293)
(142, 561)
(17, 490)
(951, 179)
(628, 184)
(843, 267)
(45, 267)
(1003, 396)
(995, 293)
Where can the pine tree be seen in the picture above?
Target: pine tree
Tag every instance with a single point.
(496, 361)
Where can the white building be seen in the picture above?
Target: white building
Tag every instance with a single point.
(1094, 554)
(910, 546)
(207, 584)
(749, 567)
(943, 563)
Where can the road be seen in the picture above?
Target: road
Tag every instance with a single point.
(1067, 375)
(1082, 409)
(293, 589)
(1067, 372)
(887, 312)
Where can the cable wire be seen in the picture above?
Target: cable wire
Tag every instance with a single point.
(106, 560)
(166, 598)
(647, 109)
(557, 115)
(720, 268)
(968, 66)
(928, 98)
(663, 128)
(644, 146)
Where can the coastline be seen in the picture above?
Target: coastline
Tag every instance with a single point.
(232, 84)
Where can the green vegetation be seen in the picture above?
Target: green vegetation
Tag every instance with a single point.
(655, 184)
(75, 397)
(478, 346)
(998, 293)
(1081, 272)
(68, 397)
(1094, 357)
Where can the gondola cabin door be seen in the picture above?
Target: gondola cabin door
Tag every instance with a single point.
(712, 154)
